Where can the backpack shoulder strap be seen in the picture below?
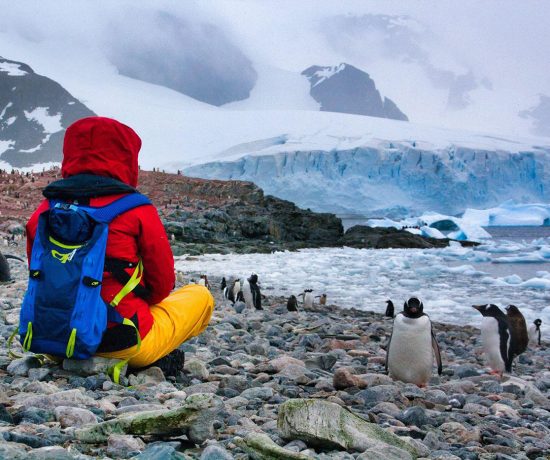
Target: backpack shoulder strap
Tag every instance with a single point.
(108, 213)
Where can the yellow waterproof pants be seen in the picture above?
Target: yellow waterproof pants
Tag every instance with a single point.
(183, 314)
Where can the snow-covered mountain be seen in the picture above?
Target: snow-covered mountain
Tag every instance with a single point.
(220, 84)
(347, 89)
(34, 112)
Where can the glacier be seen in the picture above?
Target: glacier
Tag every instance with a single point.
(394, 179)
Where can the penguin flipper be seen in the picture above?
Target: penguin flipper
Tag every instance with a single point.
(437, 353)
(388, 351)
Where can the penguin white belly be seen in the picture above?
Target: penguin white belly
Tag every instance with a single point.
(247, 293)
(308, 300)
(410, 356)
(533, 335)
(491, 343)
(236, 288)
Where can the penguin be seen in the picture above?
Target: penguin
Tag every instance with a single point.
(322, 299)
(251, 292)
(292, 303)
(179, 277)
(228, 291)
(240, 297)
(412, 346)
(224, 283)
(495, 335)
(308, 298)
(519, 338)
(390, 311)
(5, 274)
(203, 281)
(236, 288)
(534, 332)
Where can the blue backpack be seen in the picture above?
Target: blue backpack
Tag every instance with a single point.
(63, 313)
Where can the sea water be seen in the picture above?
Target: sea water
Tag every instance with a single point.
(506, 270)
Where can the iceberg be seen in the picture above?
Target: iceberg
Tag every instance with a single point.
(510, 213)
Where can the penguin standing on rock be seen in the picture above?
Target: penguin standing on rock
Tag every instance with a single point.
(519, 337)
(292, 304)
(231, 291)
(308, 298)
(224, 284)
(390, 311)
(534, 332)
(412, 346)
(322, 299)
(251, 292)
(495, 336)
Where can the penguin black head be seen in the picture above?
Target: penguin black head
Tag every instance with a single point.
(489, 310)
(537, 322)
(253, 278)
(308, 290)
(413, 308)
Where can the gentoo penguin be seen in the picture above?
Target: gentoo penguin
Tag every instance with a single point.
(412, 346)
(224, 283)
(203, 281)
(308, 298)
(5, 274)
(390, 311)
(292, 304)
(231, 290)
(534, 332)
(519, 338)
(322, 299)
(495, 336)
(251, 292)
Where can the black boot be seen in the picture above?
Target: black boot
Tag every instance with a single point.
(171, 364)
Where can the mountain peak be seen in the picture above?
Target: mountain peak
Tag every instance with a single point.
(347, 89)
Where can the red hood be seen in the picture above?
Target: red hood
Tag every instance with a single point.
(101, 146)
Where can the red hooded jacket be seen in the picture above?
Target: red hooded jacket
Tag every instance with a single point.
(107, 148)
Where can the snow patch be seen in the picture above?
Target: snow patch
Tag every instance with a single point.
(51, 123)
(12, 69)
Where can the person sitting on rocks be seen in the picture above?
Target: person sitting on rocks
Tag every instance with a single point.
(100, 164)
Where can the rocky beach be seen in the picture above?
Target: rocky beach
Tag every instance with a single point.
(274, 384)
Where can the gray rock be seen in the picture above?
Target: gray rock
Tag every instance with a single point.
(38, 373)
(385, 453)
(74, 416)
(123, 446)
(93, 366)
(161, 451)
(415, 415)
(327, 425)
(263, 393)
(22, 366)
(216, 453)
(50, 453)
(260, 446)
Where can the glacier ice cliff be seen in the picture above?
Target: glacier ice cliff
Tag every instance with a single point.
(396, 181)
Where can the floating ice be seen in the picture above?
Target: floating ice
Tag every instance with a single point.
(510, 213)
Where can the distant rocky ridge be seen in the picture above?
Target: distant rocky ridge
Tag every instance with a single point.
(347, 89)
(34, 113)
(214, 216)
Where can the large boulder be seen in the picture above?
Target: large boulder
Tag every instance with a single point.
(329, 426)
